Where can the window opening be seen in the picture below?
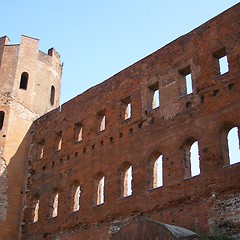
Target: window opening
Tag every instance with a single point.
(127, 182)
(186, 87)
(24, 81)
(158, 172)
(101, 120)
(2, 115)
(127, 114)
(103, 123)
(76, 199)
(40, 149)
(126, 108)
(59, 141)
(153, 97)
(100, 191)
(36, 210)
(78, 132)
(221, 62)
(188, 79)
(194, 158)
(233, 146)
(52, 95)
(55, 206)
(190, 159)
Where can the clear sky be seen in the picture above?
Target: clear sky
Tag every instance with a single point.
(98, 38)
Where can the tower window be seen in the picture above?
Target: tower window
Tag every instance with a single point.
(2, 114)
(52, 95)
(24, 81)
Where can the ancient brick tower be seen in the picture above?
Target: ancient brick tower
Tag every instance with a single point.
(30, 82)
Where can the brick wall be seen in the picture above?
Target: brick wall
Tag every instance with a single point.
(204, 114)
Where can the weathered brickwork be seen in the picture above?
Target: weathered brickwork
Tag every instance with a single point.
(88, 147)
(3, 190)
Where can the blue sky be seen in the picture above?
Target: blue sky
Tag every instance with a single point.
(96, 39)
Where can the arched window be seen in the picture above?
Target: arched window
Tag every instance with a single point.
(100, 184)
(2, 115)
(190, 158)
(194, 159)
(52, 95)
(156, 170)
(233, 146)
(126, 179)
(24, 81)
(53, 206)
(36, 210)
(76, 192)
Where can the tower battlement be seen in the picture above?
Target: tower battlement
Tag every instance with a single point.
(30, 87)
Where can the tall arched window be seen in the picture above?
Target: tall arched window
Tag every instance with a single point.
(233, 146)
(53, 206)
(24, 81)
(190, 158)
(126, 179)
(156, 170)
(36, 210)
(2, 115)
(76, 192)
(52, 95)
(100, 185)
(194, 158)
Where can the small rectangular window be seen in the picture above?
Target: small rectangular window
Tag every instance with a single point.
(126, 108)
(221, 62)
(78, 132)
(153, 97)
(101, 117)
(59, 140)
(185, 82)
